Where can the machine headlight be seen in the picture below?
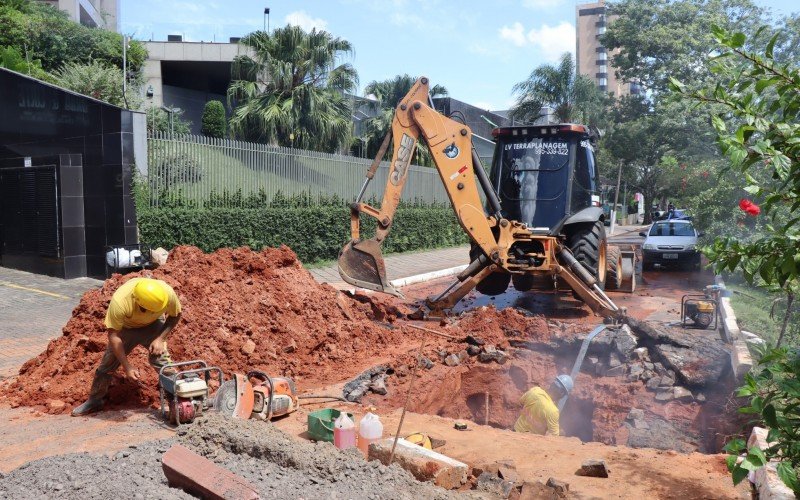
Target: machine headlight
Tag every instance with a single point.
(649, 246)
(691, 247)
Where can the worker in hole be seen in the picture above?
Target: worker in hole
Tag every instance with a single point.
(539, 413)
(135, 316)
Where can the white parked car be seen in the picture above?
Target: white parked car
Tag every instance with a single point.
(671, 243)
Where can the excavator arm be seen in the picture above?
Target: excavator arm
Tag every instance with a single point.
(450, 143)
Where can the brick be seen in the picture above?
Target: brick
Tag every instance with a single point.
(423, 464)
(199, 476)
(593, 468)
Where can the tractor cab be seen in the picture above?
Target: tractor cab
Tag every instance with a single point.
(545, 176)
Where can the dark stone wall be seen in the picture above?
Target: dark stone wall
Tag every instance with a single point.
(91, 143)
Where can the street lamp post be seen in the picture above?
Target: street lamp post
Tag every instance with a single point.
(266, 19)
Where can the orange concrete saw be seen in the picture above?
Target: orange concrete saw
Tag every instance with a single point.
(267, 398)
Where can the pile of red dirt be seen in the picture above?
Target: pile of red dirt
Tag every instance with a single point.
(241, 310)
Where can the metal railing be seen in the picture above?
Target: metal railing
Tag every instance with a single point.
(223, 172)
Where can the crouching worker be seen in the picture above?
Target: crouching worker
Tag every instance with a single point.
(135, 316)
(540, 414)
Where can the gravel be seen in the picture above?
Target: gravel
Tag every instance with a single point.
(277, 464)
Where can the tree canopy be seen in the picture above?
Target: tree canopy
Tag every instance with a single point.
(293, 91)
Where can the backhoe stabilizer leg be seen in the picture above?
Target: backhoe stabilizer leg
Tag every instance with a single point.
(585, 285)
(450, 297)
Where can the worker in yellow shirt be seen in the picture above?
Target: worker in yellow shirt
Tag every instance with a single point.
(135, 316)
(540, 414)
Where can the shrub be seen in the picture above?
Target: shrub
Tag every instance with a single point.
(314, 232)
(174, 168)
(100, 81)
(213, 121)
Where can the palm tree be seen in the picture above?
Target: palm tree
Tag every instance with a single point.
(573, 97)
(387, 95)
(291, 92)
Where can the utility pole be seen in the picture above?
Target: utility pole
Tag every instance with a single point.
(616, 200)
(266, 19)
(124, 67)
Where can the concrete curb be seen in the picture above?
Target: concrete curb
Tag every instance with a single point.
(766, 479)
(741, 361)
(420, 278)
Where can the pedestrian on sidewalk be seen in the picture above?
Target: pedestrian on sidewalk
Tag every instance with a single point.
(540, 414)
(135, 316)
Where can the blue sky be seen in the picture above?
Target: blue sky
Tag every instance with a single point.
(477, 49)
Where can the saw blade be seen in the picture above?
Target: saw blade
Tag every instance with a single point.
(225, 401)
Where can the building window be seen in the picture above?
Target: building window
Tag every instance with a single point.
(603, 69)
(602, 82)
(601, 30)
(600, 49)
(602, 56)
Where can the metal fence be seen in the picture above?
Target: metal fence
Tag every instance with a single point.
(223, 172)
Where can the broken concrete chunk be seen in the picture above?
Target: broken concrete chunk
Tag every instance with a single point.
(423, 464)
(378, 385)
(700, 397)
(659, 368)
(640, 353)
(617, 371)
(452, 360)
(491, 353)
(593, 468)
(490, 483)
(666, 381)
(462, 355)
(613, 360)
(649, 366)
(426, 363)
(473, 350)
(654, 383)
(682, 394)
(636, 370)
(624, 342)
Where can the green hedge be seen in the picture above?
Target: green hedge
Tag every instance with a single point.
(314, 233)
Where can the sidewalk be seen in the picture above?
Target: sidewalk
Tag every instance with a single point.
(33, 309)
(403, 265)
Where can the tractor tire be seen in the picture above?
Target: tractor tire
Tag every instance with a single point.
(613, 268)
(495, 283)
(588, 244)
(522, 282)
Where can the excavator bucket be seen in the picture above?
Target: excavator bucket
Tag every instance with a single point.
(361, 264)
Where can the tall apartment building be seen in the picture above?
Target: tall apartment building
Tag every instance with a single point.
(592, 59)
(94, 13)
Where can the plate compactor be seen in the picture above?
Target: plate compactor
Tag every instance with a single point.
(184, 393)
(264, 399)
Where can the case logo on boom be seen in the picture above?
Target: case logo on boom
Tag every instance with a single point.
(451, 151)
(403, 157)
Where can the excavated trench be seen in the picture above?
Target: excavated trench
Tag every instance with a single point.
(610, 404)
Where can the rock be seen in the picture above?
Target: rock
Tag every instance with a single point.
(640, 353)
(700, 397)
(682, 394)
(659, 369)
(462, 355)
(159, 256)
(613, 360)
(508, 473)
(248, 347)
(561, 488)
(636, 370)
(452, 360)
(491, 353)
(426, 363)
(617, 371)
(590, 364)
(635, 414)
(56, 404)
(490, 483)
(476, 341)
(666, 395)
(649, 366)
(378, 385)
(647, 375)
(593, 468)
(473, 350)
(666, 381)
(538, 491)
(291, 347)
(423, 464)
(653, 383)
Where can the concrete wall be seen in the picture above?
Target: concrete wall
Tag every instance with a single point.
(95, 13)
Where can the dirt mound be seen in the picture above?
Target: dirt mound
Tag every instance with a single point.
(241, 310)
(498, 326)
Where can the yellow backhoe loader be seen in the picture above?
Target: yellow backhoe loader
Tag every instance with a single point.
(542, 225)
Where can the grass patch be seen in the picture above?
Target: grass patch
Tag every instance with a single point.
(752, 306)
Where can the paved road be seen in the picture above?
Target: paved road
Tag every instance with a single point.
(33, 309)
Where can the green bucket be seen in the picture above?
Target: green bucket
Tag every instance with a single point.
(320, 424)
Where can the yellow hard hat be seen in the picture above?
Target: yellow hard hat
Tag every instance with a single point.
(420, 439)
(151, 295)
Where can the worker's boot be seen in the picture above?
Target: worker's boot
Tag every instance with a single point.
(90, 406)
